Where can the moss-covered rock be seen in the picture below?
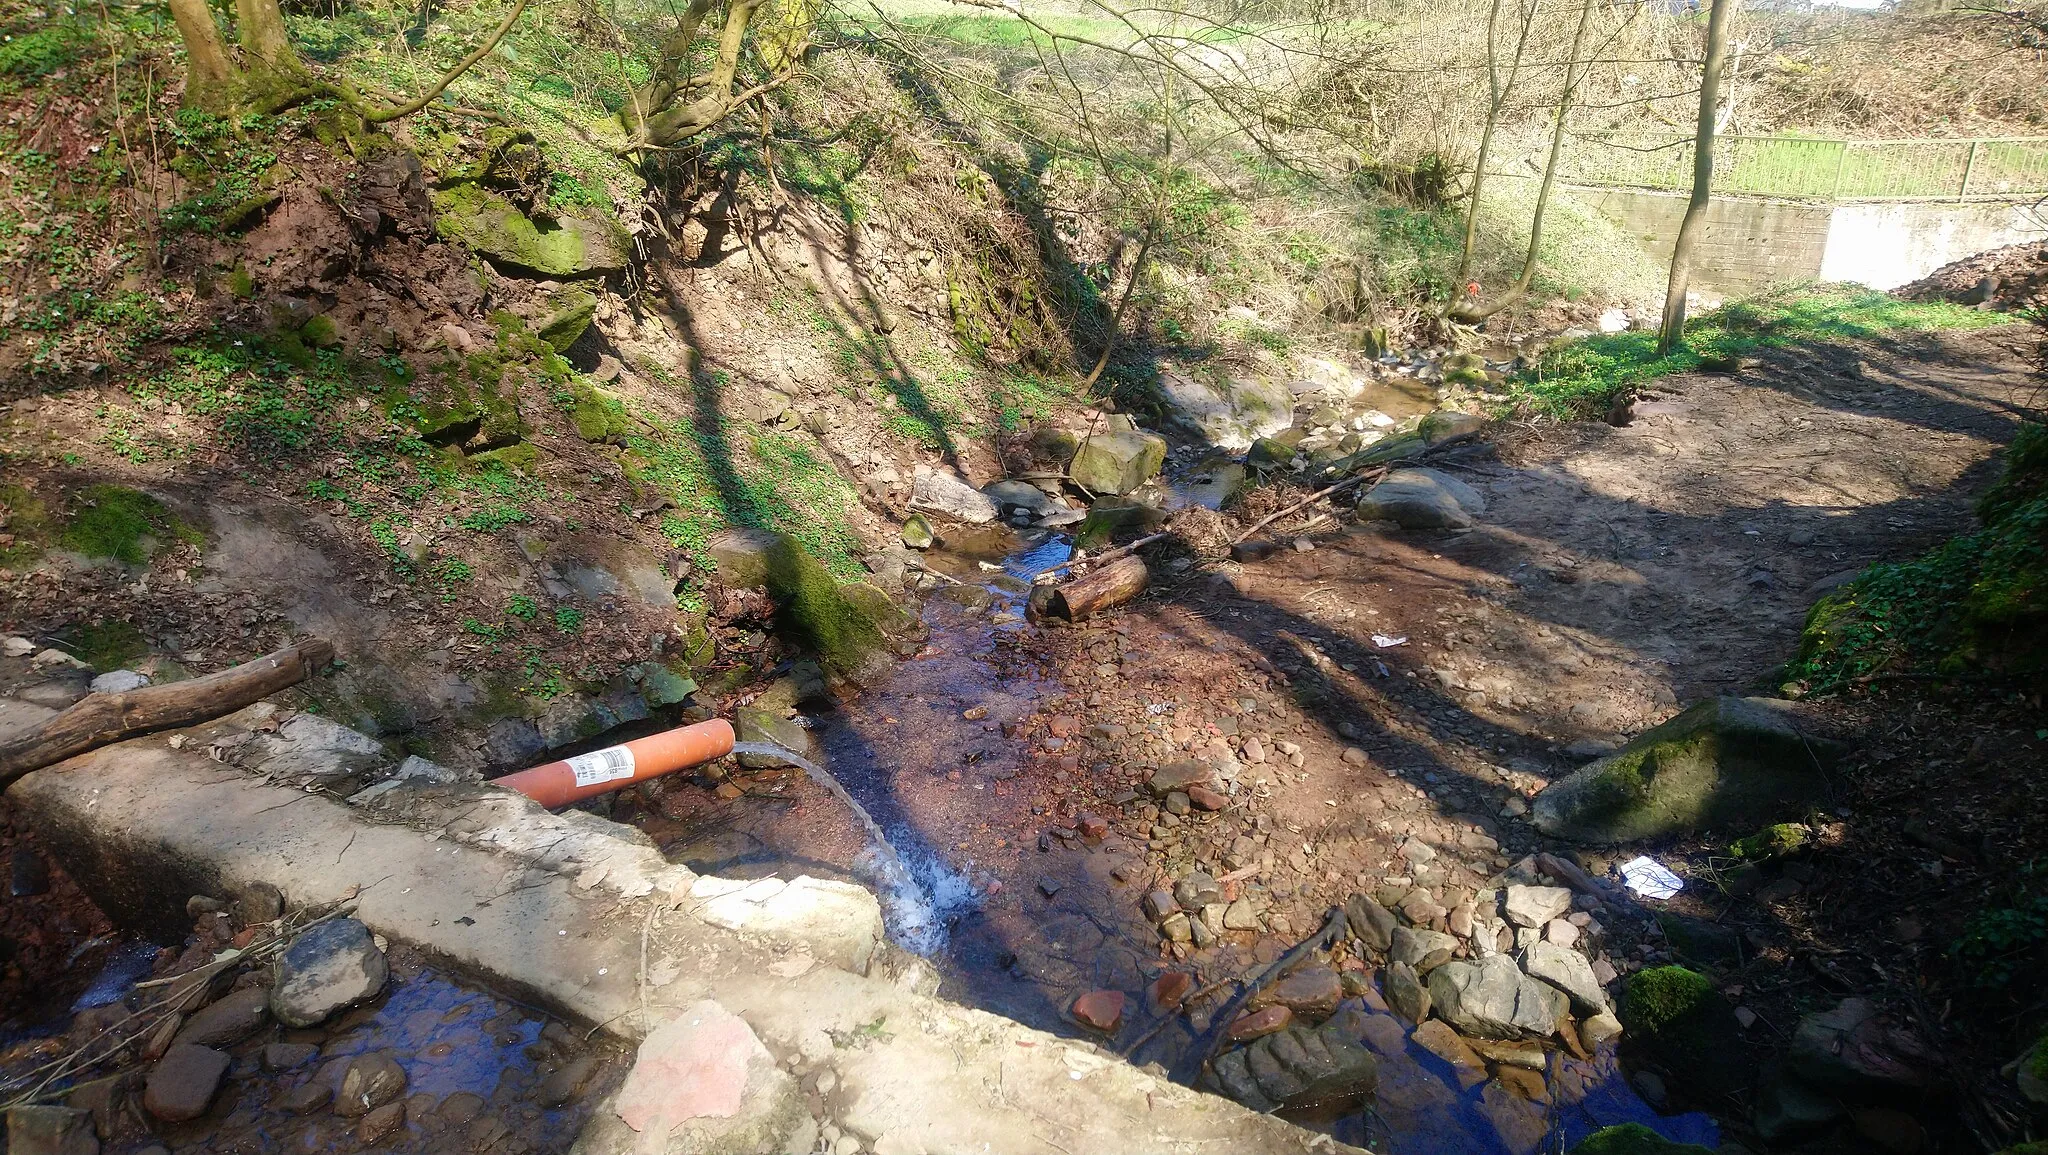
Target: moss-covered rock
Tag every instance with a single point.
(1680, 1021)
(1117, 463)
(322, 332)
(772, 717)
(1773, 841)
(1463, 369)
(597, 415)
(811, 606)
(569, 247)
(1275, 451)
(1634, 1139)
(1724, 762)
(570, 313)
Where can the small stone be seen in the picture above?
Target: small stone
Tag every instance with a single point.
(1424, 950)
(380, 1123)
(1206, 799)
(118, 682)
(1597, 1029)
(1311, 992)
(1355, 756)
(1100, 1010)
(1170, 989)
(1535, 905)
(288, 1056)
(1176, 928)
(1260, 1022)
(182, 1083)
(1526, 1084)
(1436, 1037)
(1369, 922)
(1048, 886)
(307, 1098)
(1558, 932)
(1196, 890)
(1417, 852)
(1252, 751)
(369, 1082)
(1159, 904)
(1093, 828)
(567, 1082)
(1179, 804)
(1238, 916)
(1745, 1017)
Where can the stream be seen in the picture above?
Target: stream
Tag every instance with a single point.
(1024, 930)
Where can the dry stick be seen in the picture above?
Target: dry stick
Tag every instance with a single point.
(1347, 483)
(1106, 555)
(98, 719)
(490, 45)
(1178, 1011)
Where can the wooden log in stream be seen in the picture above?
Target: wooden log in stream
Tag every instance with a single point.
(1099, 589)
(98, 719)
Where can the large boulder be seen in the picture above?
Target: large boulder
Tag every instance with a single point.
(566, 247)
(1229, 414)
(1299, 1065)
(1422, 499)
(1117, 463)
(1568, 971)
(1736, 762)
(1493, 999)
(941, 492)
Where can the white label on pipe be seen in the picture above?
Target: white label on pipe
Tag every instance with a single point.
(607, 765)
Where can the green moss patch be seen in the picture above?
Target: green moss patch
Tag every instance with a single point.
(26, 520)
(104, 645)
(120, 523)
(1978, 601)
(1634, 1139)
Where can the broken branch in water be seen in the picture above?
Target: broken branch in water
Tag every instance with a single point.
(1190, 1065)
(99, 719)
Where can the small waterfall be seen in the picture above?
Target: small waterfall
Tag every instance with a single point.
(915, 919)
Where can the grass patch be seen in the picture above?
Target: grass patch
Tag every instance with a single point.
(1583, 378)
(104, 645)
(1979, 600)
(26, 521)
(120, 523)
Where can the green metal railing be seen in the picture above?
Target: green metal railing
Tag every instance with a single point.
(1808, 168)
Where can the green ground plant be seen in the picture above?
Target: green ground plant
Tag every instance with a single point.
(1977, 602)
(1582, 379)
(124, 524)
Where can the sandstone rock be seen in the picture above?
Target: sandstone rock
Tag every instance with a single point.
(1299, 1065)
(1406, 994)
(1597, 1029)
(1260, 1022)
(1492, 998)
(182, 1083)
(1568, 971)
(1100, 1010)
(376, 1124)
(1169, 990)
(1371, 923)
(1535, 905)
(1196, 890)
(1855, 1052)
(488, 223)
(39, 1130)
(1159, 904)
(701, 1084)
(1117, 463)
(1436, 1037)
(233, 1018)
(326, 968)
(367, 1083)
(1422, 499)
(1725, 762)
(943, 493)
(1422, 949)
(1178, 776)
(1445, 424)
(1230, 414)
(1206, 799)
(1311, 992)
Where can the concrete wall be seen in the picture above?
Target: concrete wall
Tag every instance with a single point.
(1751, 244)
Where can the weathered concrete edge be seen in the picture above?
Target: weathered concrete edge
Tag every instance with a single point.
(142, 824)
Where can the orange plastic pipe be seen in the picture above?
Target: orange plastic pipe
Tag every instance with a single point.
(616, 767)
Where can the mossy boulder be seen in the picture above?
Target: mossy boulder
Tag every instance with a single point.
(567, 247)
(1463, 369)
(1678, 1020)
(1229, 413)
(1275, 451)
(1634, 1139)
(597, 415)
(1117, 463)
(1739, 762)
(1773, 841)
(811, 606)
(569, 314)
(1111, 514)
(772, 717)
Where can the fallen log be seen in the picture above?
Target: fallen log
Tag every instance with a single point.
(98, 719)
(1099, 589)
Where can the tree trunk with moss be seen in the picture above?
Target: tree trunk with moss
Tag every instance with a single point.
(675, 104)
(272, 76)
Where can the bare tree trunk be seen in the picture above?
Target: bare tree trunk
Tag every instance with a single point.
(1116, 319)
(1471, 312)
(210, 79)
(1498, 92)
(1673, 330)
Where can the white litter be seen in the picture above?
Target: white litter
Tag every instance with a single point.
(1386, 643)
(1650, 878)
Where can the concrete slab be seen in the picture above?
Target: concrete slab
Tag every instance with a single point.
(585, 917)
